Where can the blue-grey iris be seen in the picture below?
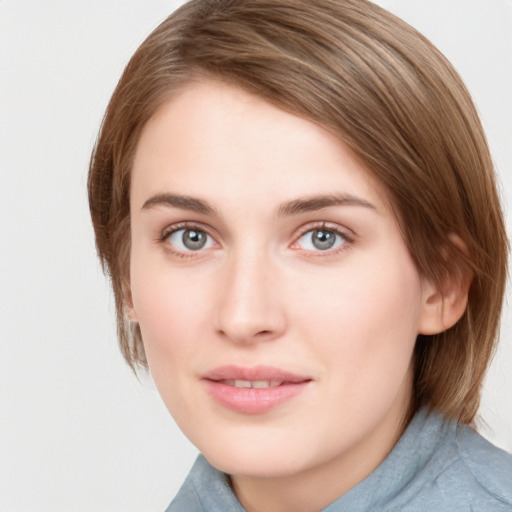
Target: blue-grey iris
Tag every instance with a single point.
(193, 240)
(323, 240)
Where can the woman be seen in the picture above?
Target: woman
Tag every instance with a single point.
(297, 208)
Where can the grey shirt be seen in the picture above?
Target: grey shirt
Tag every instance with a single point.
(436, 466)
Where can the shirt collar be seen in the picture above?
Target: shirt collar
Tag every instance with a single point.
(415, 459)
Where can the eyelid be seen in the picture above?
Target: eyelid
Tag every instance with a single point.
(346, 233)
(173, 228)
(327, 226)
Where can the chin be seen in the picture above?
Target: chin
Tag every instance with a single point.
(265, 454)
(254, 465)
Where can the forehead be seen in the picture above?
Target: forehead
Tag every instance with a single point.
(216, 140)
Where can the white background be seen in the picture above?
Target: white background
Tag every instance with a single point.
(78, 432)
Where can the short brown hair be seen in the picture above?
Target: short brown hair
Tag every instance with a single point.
(387, 93)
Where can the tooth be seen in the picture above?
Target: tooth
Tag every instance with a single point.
(274, 383)
(261, 384)
(242, 383)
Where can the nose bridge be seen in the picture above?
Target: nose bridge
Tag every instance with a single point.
(249, 308)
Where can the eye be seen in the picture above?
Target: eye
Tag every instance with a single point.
(321, 240)
(189, 239)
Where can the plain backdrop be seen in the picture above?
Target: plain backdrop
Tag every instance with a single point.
(78, 432)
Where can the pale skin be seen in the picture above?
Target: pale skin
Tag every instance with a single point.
(298, 264)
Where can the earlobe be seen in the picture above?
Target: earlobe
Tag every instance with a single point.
(129, 309)
(131, 314)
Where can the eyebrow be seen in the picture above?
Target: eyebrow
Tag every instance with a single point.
(313, 203)
(294, 207)
(179, 201)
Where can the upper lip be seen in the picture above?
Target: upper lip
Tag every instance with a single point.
(253, 373)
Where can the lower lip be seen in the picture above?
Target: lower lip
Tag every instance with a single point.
(253, 400)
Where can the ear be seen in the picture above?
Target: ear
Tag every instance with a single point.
(444, 304)
(131, 314)
(129, 309)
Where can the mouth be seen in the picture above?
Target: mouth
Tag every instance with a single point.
(253, 390)
(257, 384)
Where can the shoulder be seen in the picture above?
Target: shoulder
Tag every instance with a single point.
(453, 469)
(186, 500)
(478, 474)
(490, 466)
(205, 489)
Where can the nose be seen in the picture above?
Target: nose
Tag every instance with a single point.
(251, 306)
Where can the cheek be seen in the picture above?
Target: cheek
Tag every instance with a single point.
(365, 323)
(171, 315)
(171, 308)
(361, 298)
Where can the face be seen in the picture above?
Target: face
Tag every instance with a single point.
(277, 300)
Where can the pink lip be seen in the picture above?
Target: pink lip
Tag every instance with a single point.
(253, 400)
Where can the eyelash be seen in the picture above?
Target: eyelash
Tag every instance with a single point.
(320, 226)
(178, 227)
(325, 226)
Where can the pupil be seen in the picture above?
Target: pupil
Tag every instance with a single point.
(323, 240)
(194, 240)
